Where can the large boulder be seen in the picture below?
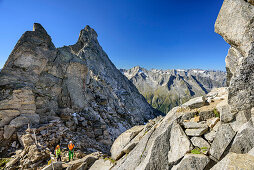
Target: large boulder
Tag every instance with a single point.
(196, 132)
(244, 139)
(179, 144)
(160, 148)
(192, 162)
(200, 143)
(235, 161)
(224, 110)
(83, 163)
(101, 164)
(223, 137)
(119, 146)
(54, 166)
(195, 103)
(194, 125)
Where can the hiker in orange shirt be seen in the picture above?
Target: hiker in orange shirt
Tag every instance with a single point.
(71, 150)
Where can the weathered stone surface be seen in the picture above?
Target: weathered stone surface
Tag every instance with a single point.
(244, 139)
(195, 119)
(26, 140)
(179, 143)
(117, 149)
(9, 113)
(251, 152)
(194, 125)
(224, 110)
(195, 103)
(196, 132)
(201, 143)
(192, 162)
(5, 121)
(210, 136)
(153, 148)
(8, 131)
(24, 120)
(101, 164)
(84, 163)
(54, 166)
(235, 161)
(223, 137)
(212, 122)
(234, 24)
(207, 114)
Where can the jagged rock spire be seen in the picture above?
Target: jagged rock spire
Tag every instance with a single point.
(39, 28)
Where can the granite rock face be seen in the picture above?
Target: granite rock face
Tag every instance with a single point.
(244, 140)
(192, 162)
(235, 161)
(77, 83)
(235, 25)
(221, 141)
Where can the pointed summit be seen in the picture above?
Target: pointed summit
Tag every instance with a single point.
(39, 28)
(87, 34)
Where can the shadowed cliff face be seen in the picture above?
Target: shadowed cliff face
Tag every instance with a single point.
(40, 83)
(167, 89)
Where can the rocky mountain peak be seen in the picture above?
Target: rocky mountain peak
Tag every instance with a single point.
(39, 28)
(87, 35)
(76, 86)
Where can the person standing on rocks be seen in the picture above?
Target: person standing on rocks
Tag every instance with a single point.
(58, 153)
(71, 150)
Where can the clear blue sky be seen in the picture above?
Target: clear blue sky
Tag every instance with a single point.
(161, 34)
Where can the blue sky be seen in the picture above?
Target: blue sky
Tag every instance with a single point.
(161, 34)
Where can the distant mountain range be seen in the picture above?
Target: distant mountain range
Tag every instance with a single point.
(165, 89)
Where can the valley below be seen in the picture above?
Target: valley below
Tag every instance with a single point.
(166, 89)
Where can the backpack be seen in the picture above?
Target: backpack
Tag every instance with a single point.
(71, 146)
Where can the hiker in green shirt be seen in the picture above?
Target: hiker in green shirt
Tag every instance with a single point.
(58, 153)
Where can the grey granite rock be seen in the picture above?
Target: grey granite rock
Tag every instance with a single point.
(119, 146)
(192, 162)
(223, 137)
(195, 103)
(196, 132)
(234, 24)
(159, 148)
(194, 125)
(200, 143)
(179, 144)
(225, 113)
(251, 152)
(235, 161)
(244, 139)
(101, 164)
